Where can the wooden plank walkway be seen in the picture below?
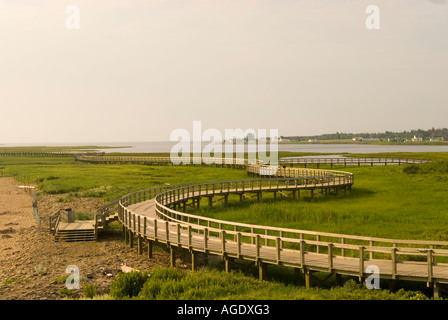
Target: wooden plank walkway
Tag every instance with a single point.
(178, 236)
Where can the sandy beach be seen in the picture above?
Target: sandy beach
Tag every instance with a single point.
(33, 265)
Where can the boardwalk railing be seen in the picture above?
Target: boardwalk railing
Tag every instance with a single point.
(344, 161)
(54, 221)
(234, 162)
(48, 154)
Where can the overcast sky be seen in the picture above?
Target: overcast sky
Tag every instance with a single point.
(138, 69)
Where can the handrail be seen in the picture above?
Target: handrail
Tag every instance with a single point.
(350, 160)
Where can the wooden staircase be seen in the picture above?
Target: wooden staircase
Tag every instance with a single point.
(82, 230)
(75, 235)
(76, 231)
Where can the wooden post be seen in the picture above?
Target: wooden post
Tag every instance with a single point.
(361, 264)
(394, 262)
(437, 290)
(228, 264)
(205, 240)
(257, 247)
(178, 233)
(138, 224)
(307, 279)
(430, 266)
(125, 231)
(131, 239)
(261, 271)
(139, 244)
(277, 249)
(238, 244)
(223, 243)
(318, 246)
(167, 232)
(149, 249)
(330, 257)
(193, 261)
(189, 237)
(302, 253)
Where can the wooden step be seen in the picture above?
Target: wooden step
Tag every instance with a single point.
(75, 235)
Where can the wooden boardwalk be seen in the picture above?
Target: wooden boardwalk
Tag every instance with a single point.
(347, 161)
(156, 216)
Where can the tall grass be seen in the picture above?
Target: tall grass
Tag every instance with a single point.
(385, 202)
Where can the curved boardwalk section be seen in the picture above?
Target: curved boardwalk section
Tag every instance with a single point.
(158, 215)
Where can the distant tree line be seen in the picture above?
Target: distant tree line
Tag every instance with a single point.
(432, 133)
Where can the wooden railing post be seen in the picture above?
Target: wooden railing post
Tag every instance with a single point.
(155, 229)
(330, 257)
(167, 232)
(238, 244)
(302, 253)
(257, 247)
(277, 249)
(205, 239)
(394, 262)
(189, 237)
(223, 243)
(361, 262)
(430, 265)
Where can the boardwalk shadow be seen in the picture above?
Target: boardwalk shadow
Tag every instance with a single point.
(362, 192)
(110, 235)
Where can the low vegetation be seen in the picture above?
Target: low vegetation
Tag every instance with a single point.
(211, 284)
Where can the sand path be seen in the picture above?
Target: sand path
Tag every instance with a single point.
(32, 265)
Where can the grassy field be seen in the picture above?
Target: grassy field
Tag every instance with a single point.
(385, 202)
(63, 175)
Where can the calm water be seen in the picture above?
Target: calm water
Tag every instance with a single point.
(146, 147)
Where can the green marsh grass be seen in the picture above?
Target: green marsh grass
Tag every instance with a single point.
(385, 202)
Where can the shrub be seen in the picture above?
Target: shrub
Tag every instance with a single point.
(128, 285)
(440, 167)
(89, 290)
(166, 274)
(412, 169)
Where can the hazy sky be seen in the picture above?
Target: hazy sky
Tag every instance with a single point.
(138, 69)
